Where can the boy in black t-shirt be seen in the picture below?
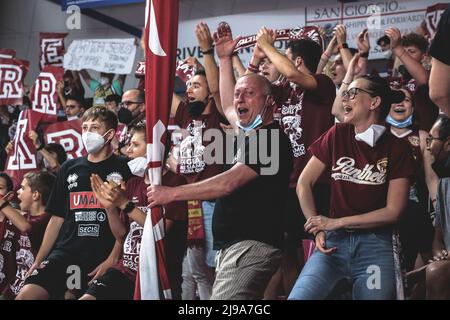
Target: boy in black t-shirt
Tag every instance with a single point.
(78, 241)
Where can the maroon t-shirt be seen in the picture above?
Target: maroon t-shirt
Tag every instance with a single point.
(304, 116)
(136, 191)
(27, 248)
(8, 248)
(360, 174)
(191, 162)
(176, 210)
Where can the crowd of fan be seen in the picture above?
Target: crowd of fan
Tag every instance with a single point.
(257, 231)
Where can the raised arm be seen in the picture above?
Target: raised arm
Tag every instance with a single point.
(16, 217)
(224, 48)
(440, 85)
(205, 41)
(341, 36)
(238, 66)
(414, 67)
(326, 55)
(86, 77)
(337, 109)
(285, 66)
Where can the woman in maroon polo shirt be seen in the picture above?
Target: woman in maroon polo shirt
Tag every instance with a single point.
(370, 171)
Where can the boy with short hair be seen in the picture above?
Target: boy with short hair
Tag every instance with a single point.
(79, 234)
(28, 227)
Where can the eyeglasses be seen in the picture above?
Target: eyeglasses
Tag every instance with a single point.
(125, 104)
(351, 94)
(430, 139)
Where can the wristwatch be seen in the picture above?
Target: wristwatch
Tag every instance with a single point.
(4, 205)
(129, 207)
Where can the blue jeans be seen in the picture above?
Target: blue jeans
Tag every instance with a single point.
(364, 259)
(208, 210)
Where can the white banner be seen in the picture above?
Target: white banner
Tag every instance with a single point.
(376, 16)
(103, 55)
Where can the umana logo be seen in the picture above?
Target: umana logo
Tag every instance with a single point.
(84, 200)
(72, 181)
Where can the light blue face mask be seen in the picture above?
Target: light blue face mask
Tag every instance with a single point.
(399, 124)
(258, 120)
(255, 123)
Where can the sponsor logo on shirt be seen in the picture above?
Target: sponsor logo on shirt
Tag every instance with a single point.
(72, 181)
(88, 230)
(90, 216)
(83, 200)
(345, 170)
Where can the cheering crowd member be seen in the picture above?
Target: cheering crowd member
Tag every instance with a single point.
(410, 49)
(195, 116)
(364, 160)
(104, 87)
(245, 230)
(29, 227)
(78, 233)
(119, 281)
(304, 102)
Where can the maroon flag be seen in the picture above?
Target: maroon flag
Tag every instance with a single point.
(22, 158)
(161, 34)
(12, 73)
(7, 53)
(67, 134)
(52, 49)
(44, 94)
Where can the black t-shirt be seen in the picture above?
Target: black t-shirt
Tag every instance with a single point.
(254, 211)
(440, 48)
(85, 237)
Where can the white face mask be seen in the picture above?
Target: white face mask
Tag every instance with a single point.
(138, 166)
(371, 135)
(104, 81)
(387, 54)
(93, 141)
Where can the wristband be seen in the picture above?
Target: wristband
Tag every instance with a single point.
(4, 205)
(326, 55)
(129, 207)
(364, 54)
(346, 83)
(209, 51)
(343, 46)
(40, 147)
